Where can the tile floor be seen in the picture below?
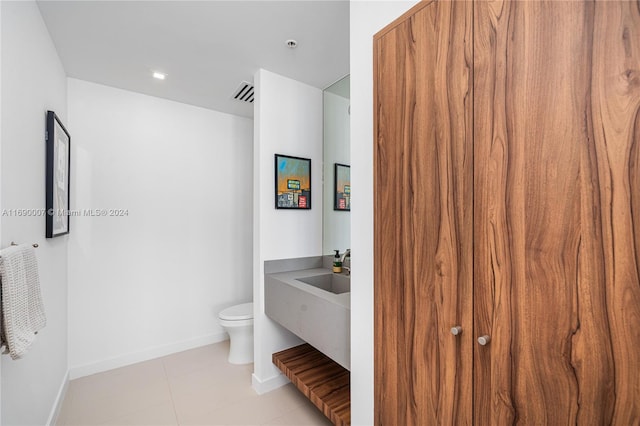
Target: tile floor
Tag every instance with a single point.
(196, 387)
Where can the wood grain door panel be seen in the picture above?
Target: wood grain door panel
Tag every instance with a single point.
(423, 217)
(556, 226)
(507, 201)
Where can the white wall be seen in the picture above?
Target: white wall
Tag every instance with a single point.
(0, 178)
(287, 120)
(367, 18)
(33, 81)
(153, 282)
(336, 224)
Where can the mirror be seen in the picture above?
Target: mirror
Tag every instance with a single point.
(337, 195)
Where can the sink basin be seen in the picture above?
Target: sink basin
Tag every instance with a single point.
(334, 283)
(314, 304)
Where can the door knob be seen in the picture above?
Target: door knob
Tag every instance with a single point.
(483, 340)
(456, 330)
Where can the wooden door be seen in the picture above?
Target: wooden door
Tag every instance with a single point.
(557, 212)
(423, 217)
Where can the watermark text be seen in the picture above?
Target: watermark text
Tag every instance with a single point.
(63, 212)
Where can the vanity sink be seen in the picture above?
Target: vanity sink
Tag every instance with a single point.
(313, 304)
(334, 283)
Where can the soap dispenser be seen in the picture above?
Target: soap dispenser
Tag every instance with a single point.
(337, 264)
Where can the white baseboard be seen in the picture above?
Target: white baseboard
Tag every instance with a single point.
(57, 405)
(145, 355)
(264, 386)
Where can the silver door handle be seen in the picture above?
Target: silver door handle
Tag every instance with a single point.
(456, 330)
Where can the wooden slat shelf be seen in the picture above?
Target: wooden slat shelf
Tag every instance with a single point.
(319, 378)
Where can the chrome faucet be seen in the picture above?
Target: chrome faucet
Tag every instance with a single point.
(342, 258)
(344, 255)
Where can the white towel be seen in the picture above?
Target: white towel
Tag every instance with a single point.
(22, 314)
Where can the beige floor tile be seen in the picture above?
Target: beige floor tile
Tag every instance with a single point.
(197, 398)
(305, 415)
(65, 411)
(196, 387)
(88, 409)
(255, 410)
(244, 412)
(112, 382)
(157, 415)
(289, 396)
(195, 359)
(218, 375)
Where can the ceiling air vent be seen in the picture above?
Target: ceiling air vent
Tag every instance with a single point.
(244, 92)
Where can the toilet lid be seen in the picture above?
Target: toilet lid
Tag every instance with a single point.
(237, 312)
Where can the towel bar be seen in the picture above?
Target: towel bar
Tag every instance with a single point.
(15, 244)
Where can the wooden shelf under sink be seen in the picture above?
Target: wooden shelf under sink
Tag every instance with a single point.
(322, 380)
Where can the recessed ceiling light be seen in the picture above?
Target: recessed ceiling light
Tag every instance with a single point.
(292, 44)
(159, 75)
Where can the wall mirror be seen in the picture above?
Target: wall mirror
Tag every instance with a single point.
(336, 217)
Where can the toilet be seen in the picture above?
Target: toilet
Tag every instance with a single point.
(237, 321)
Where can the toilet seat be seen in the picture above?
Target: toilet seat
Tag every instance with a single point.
(236, 323)
(241, 312)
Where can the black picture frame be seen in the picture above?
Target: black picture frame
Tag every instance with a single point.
(292, 182)
(58, 175)
(342, 187)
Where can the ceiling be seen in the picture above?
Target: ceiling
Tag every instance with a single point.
(206, 48)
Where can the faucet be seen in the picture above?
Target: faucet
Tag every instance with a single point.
(344, 255)
(342, 258)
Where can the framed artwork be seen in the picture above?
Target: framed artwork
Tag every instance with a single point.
(58, 168)
(293, 182)
(342, 188)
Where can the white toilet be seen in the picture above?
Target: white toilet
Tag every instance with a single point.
(237, 321)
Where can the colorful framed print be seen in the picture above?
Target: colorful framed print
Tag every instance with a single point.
(293, 182)
(342, 188)
(57, 179)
